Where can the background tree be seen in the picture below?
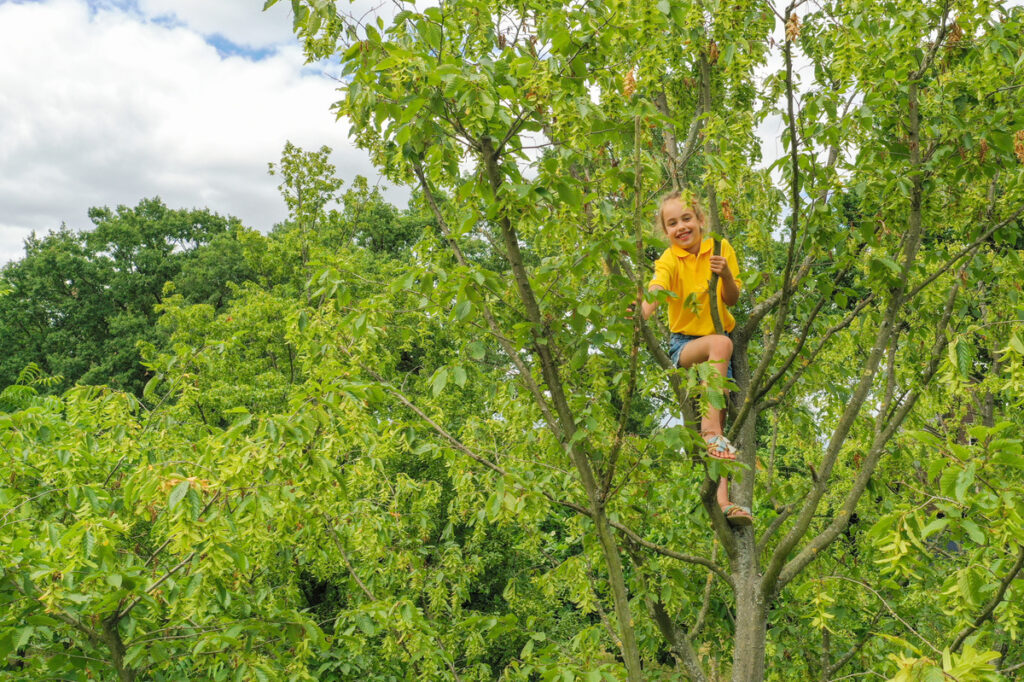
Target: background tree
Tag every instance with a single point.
(81, 301)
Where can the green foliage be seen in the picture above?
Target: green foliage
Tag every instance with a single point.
(80, 302)
(429, 443)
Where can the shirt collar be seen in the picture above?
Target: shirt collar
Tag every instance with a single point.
(705, 246)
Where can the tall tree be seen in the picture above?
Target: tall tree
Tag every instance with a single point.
(621, 95)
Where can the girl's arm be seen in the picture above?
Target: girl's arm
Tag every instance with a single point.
(730, 289)
(730, 292)
(647, 309)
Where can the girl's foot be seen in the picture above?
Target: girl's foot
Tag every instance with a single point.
(719, 447)
(737, 515)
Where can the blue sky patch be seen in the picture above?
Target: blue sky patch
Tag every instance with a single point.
(226, 48)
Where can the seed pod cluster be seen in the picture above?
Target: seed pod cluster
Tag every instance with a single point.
(793, 27)
(727, 214)
(629, 84)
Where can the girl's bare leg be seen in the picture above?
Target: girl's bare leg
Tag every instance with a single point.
(716, 349)
(723, 493)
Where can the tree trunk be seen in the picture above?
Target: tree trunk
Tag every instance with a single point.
(112, 638)
(749, 644)
(620, 595)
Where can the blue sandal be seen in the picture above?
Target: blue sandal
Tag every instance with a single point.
(737, 515)
(719, 447)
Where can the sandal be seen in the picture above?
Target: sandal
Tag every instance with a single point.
(737, 515)
(719, 447)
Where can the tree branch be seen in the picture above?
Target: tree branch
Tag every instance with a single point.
(344, 558)
(773, 528)
(524, 373)
(627, 401)
(886, 329)
(706, 601)
(128, 609)
(882, 436)
(997, 598)
(888, 608)
(664, 551)
(709, 188)
(679, 642)
(848, 656)
(843, 324)
(966, 251)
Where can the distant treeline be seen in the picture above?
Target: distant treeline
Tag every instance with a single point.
(80, 304)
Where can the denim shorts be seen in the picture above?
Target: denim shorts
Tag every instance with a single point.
(675, 346)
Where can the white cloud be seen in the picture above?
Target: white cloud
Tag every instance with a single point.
(241, 22)
(104, 107)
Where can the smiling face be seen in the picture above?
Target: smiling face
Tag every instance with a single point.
(682, 225)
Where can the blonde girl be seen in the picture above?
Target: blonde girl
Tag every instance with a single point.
(683, 269)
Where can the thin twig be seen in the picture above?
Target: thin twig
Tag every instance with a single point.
(888, 607)
(997, 598)
(158, 583)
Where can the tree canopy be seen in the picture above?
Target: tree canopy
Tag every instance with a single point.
(80, 301)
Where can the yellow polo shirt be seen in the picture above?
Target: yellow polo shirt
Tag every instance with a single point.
(683, 273)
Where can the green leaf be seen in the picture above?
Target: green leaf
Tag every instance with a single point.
(89, 544)
(664, 7)
(964, 357)
(476, 350)
(114, 580)
(964, 481)
(560, 40)
(195, 503)
(440, 381)
(494, 505)
(463, 309)
(925, 437)
(177, 495)
(23, 636)
(934, 526)
(727, 56)
(948, 481)
(1009, 459)
(569, 194)
(459, 373)
(973, 531)
(486, 105)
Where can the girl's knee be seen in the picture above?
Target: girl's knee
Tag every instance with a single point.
(721, 347)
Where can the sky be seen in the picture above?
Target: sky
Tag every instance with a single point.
(107, 102)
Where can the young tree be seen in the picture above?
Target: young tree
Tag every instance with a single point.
(572, 119)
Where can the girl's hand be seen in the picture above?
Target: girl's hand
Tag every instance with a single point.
(721, 266)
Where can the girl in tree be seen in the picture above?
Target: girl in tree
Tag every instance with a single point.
(685, 269)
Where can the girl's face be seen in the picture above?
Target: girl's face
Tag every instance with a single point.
(681, 225)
